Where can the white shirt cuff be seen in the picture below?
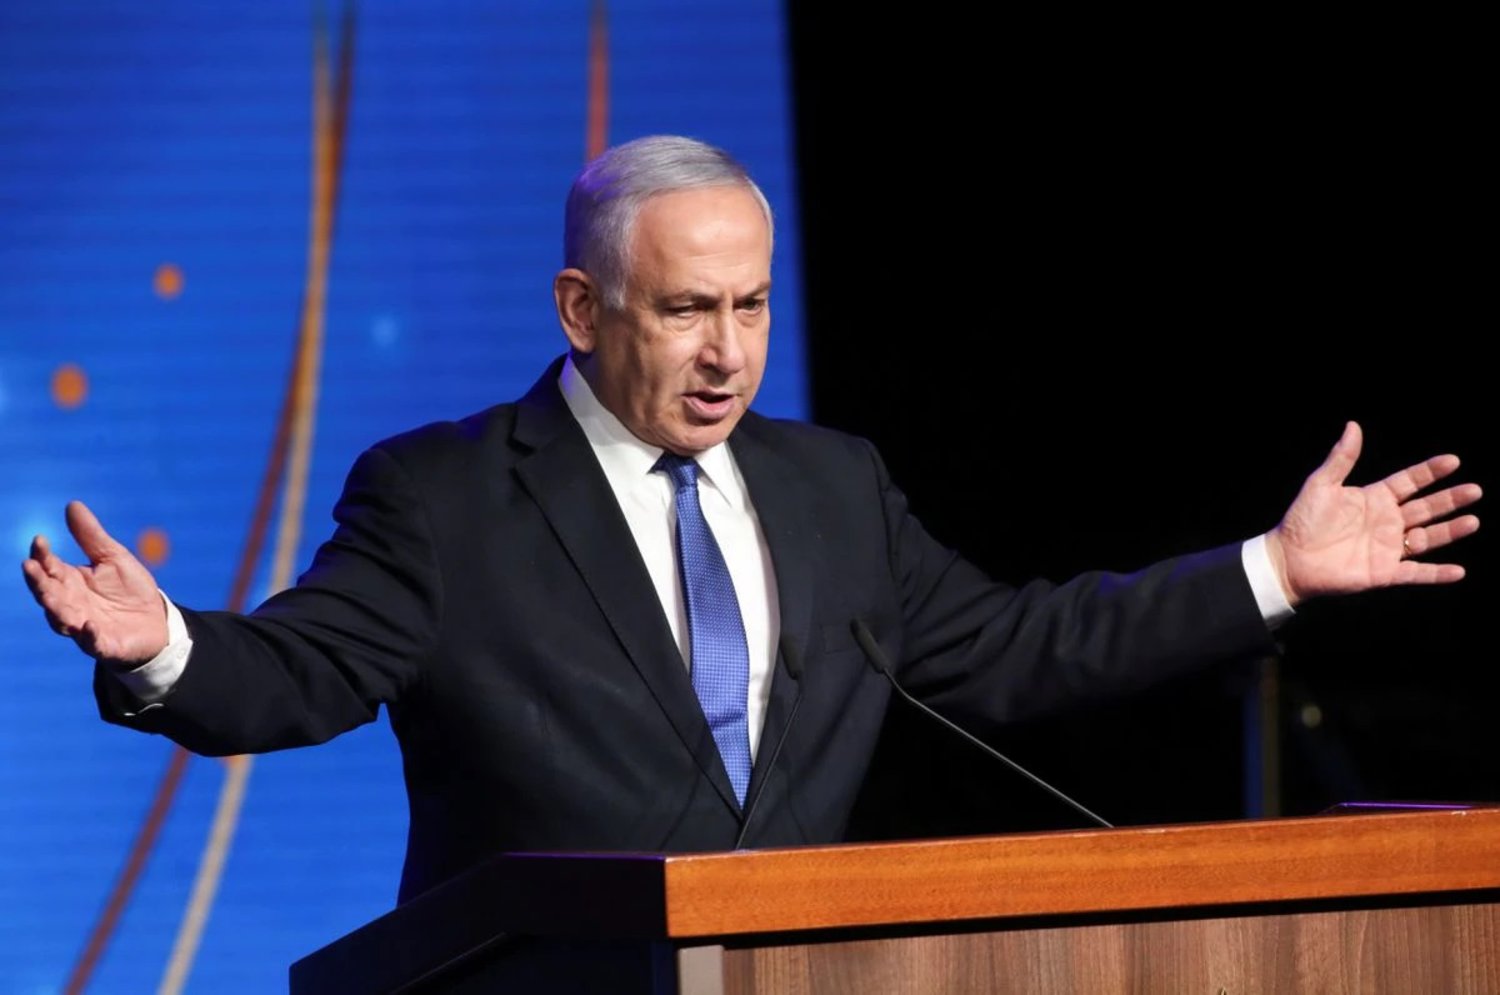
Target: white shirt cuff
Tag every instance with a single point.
(1269, 596)
(153, 680)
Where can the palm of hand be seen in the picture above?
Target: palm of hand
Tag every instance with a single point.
(115, 609)
(1337, 539)
(111, 606)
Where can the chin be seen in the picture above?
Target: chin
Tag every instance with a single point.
(697, 440)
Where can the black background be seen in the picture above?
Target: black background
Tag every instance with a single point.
(1104, 289)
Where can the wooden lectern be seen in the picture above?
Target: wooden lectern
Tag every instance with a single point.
(1402, 903)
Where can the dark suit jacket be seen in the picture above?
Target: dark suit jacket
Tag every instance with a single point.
(483, 584)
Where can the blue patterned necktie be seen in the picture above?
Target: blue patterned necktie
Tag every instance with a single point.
(721, 658)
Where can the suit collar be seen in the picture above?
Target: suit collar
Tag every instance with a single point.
(541, 414)
(782, 504)
(563, 477)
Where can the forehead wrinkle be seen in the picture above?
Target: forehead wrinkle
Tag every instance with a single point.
(679, 254)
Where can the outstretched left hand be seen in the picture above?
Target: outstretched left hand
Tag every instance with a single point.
(1337, 539)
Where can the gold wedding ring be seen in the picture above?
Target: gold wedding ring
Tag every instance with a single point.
(1406, 544)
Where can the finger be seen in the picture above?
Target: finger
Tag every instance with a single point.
(1417, 572)
(36, 577)
(48, 594)
(87, 639)
(1404, 483)
(96, 543)
(1423, 540)
(47, 590)
(1445, 502)
(58, 625)
(1343, 455)
(50, 562)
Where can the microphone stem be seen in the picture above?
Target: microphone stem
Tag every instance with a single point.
(1093, 817)
(877, 659)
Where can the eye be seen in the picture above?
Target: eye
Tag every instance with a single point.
(753, 305)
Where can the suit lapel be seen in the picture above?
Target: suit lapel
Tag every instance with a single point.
(782, 507)
(565, 480)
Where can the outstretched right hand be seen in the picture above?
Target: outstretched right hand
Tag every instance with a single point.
(110, 608)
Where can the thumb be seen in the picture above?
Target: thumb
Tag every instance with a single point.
(96, 543)
(1343, 455)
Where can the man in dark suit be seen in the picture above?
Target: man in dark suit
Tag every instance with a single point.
(616, 614)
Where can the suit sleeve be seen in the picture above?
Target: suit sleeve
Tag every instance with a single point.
(996, 653)
(318, 659)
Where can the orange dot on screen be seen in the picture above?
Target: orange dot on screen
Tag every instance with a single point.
(153, 546)
(168, 281)
(70, 386)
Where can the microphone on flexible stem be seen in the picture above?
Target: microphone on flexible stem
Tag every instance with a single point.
(793, 661)
(882, 665)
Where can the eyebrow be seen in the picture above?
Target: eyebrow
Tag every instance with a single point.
(699, 299)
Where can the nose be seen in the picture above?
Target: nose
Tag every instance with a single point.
(723, 348)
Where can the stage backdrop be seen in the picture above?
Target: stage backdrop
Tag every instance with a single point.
(241, 242)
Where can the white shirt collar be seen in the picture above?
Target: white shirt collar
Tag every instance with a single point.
(625, 458)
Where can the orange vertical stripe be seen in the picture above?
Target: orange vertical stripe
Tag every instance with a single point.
(326, 186)
(330, 117)
(597, 139)
(119, 896)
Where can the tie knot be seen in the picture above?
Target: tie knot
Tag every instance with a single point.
(682, 469)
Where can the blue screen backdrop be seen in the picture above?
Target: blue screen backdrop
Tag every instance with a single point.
(156, 210)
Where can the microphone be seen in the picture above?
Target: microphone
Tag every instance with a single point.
(882, 665)
(793, 661)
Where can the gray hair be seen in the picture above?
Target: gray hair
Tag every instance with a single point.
(607, 196)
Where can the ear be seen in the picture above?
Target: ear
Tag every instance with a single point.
(578, 307)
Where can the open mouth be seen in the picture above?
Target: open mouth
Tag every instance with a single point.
(710, 403)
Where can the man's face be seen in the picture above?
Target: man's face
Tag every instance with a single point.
(680, 363)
